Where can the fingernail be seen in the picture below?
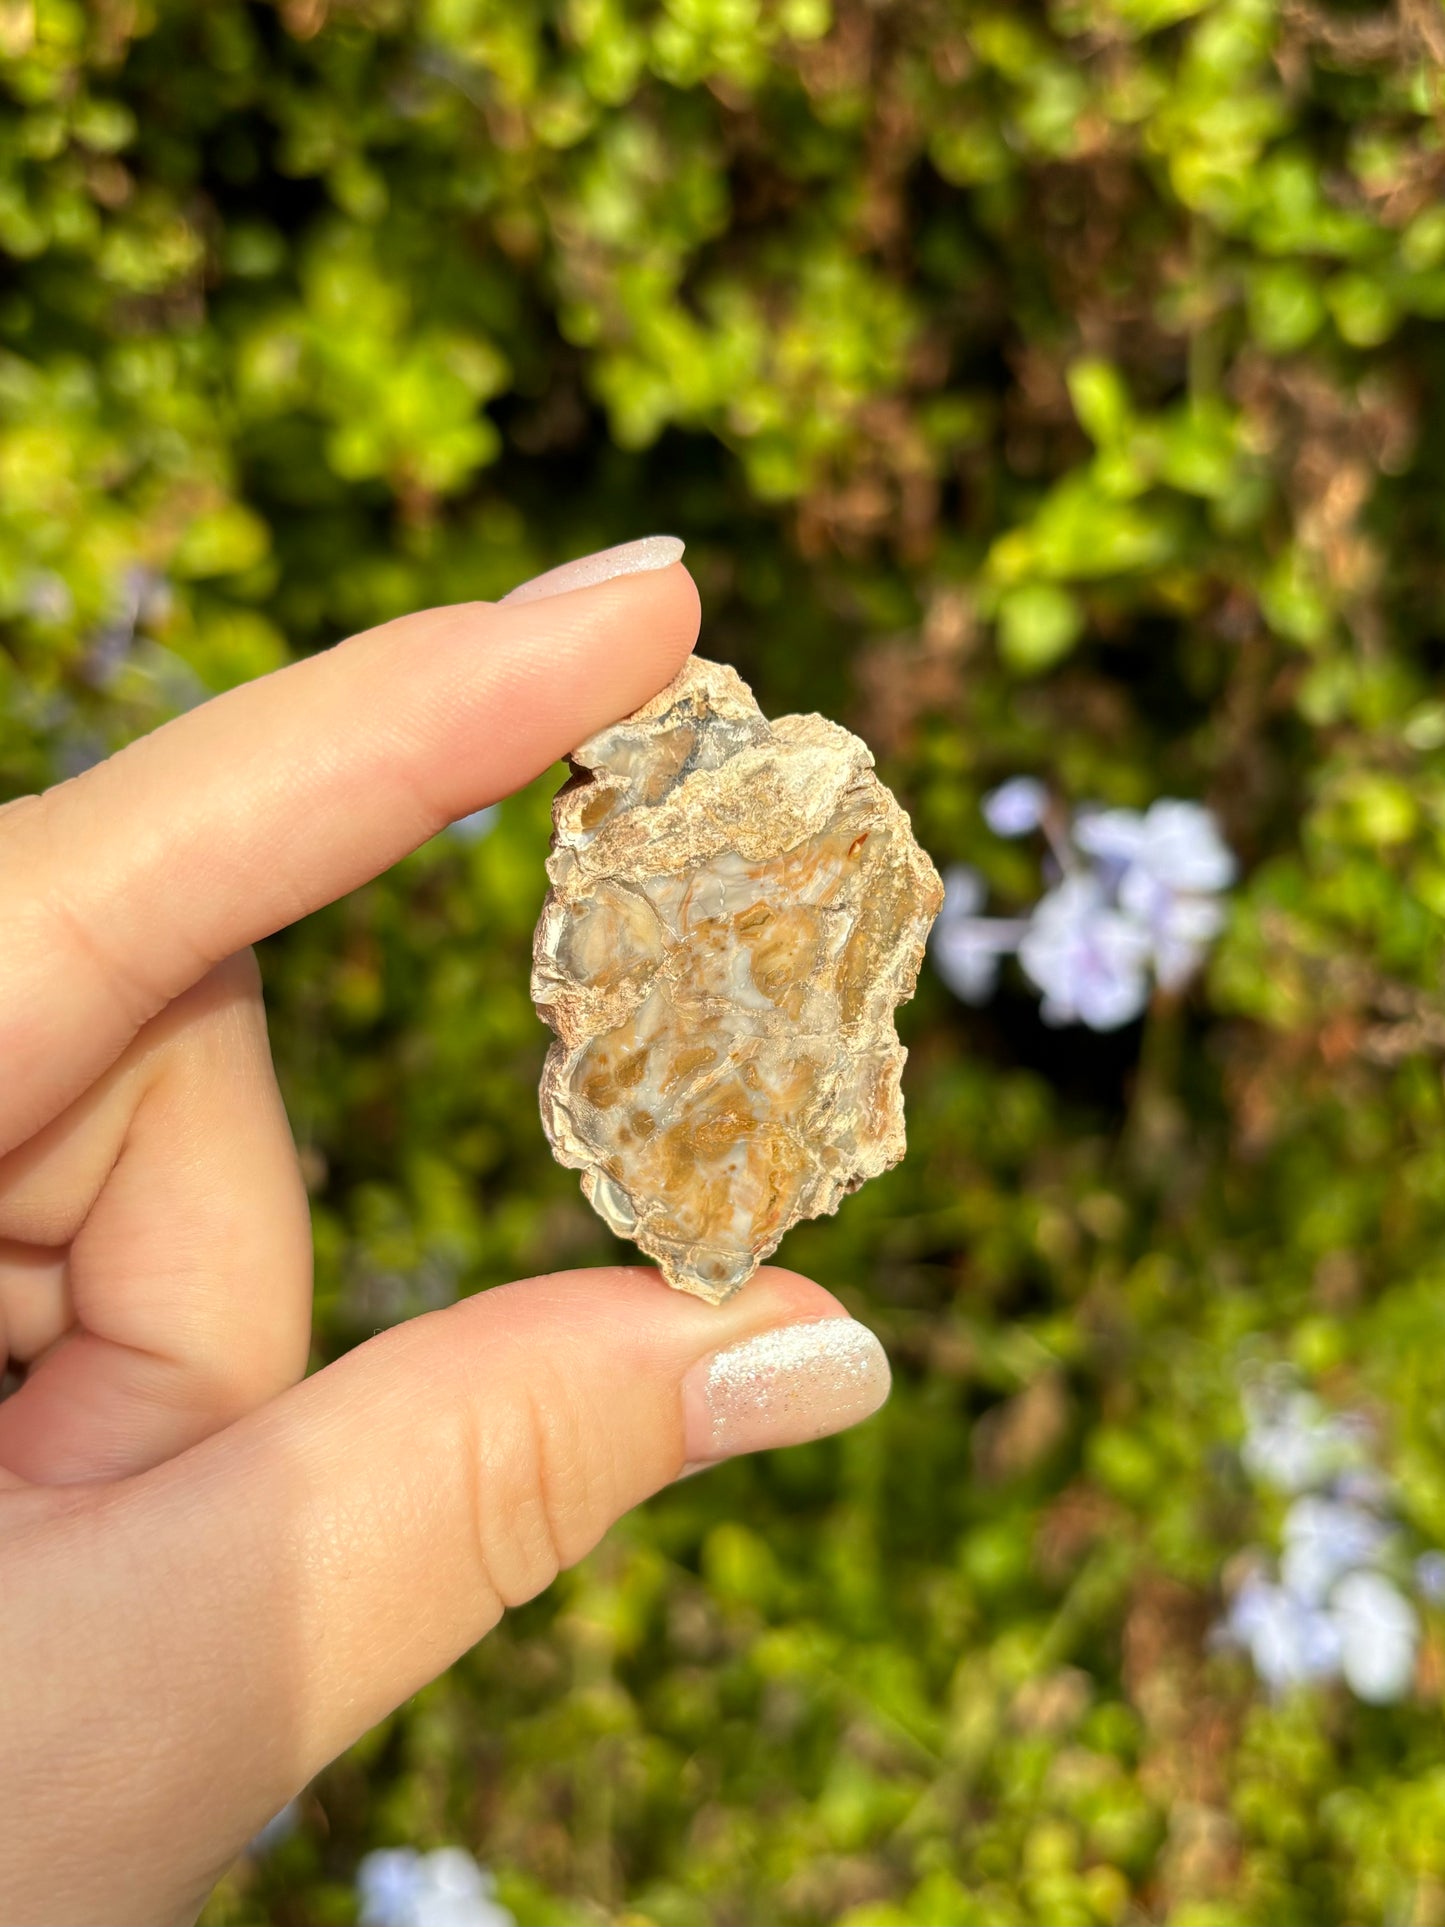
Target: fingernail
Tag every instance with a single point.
(782, 1387)
(628, 558)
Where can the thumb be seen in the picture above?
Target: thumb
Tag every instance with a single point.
(329, 1555)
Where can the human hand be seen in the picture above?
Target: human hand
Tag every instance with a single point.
(214, 1578)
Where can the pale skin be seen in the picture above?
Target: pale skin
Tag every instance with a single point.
(215, 1574)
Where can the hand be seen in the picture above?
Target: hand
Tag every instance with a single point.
(214, 1578)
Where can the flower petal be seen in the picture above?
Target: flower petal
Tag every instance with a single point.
(1016, 807)
(1182, 847)
(1379, 1632)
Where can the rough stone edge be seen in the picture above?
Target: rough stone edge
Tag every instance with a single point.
(583, 778)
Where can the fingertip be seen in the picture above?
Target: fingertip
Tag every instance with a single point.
(690, 599)
(806, 1368)
(574, 662)
(496, 692)
(797, 1297)
(782, 1362)
(631, 635)
(640, 557)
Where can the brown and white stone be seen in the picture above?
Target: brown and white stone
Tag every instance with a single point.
(737, 907)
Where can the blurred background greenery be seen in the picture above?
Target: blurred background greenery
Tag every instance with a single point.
(1039, 387)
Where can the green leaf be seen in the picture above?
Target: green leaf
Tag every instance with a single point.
(1365, 311)
(1101, 401)
(222, 541)
(1038, 624)
(1286, 306)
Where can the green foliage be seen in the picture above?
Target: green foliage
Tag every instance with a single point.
(1045, 387)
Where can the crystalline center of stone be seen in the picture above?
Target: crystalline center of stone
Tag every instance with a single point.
(737, 907)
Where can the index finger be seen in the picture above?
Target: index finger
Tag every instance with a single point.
(120, 889)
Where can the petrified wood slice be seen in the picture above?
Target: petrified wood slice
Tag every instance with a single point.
(737, 907)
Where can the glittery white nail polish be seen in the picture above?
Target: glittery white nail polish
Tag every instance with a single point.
(628, 558)
(783, 1387)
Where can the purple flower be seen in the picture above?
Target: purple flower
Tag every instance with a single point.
(1181, 928)
(1113, 838)
(1168, 867)
(1290, 1641)
(1016, 807)
(1325, 1539)
(1367, 1634)
(1291, 1443)
(1178, 844)
(967, 948)
(1379, 1631)
(1332, 1596)
(387, 1883)
(399, 1887)
(963, 893)
(1139, 895)
(1090, 962)
(1430, 1576)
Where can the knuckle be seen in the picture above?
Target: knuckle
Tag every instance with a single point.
(532, 1491)
(60, 927)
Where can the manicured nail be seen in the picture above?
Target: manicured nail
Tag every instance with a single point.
(782, 1387)
(628, 558)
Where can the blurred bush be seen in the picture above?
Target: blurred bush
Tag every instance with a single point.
(1051, 389)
